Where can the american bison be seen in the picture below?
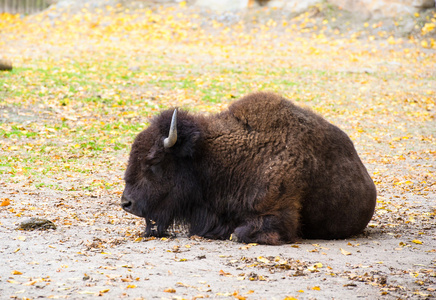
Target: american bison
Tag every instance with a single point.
(264, 171)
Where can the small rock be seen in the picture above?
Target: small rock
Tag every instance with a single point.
(36, 224)
(5, 65)
(134, 69)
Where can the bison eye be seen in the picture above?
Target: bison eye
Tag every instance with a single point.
(156, 170)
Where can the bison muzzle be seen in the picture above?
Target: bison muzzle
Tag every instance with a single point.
(265, 170)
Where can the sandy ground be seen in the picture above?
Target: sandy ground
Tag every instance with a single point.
(89, 258)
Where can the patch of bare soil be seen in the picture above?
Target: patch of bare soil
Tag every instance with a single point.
(99, 253)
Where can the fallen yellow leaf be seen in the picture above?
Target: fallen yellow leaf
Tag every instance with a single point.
(222, 273)
(263, 260)
(5, 202)
(13, 281)
(32, 282)
(86, 293)
(417, 242)
(15, 272)
(170, 290)
(345, 252)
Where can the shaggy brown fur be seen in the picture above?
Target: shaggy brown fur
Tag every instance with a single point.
(265, 169)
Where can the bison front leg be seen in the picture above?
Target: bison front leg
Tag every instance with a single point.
(156, 230)
(269, 230)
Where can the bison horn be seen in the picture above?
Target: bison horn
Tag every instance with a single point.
(172, 137)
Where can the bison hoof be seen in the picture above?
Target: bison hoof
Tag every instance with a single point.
(234, 238)
(155, 233)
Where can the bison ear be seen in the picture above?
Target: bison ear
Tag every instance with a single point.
(188, 144)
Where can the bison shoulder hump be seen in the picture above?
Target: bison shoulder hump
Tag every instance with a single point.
(262, 110)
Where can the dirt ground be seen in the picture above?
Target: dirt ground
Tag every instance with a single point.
(97, 251)
(91, 257)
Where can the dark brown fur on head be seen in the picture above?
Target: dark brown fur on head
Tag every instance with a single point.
(265, 169)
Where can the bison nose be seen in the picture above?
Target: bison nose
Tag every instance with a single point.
(126, 203)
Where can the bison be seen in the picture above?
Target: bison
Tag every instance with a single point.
(264, 171)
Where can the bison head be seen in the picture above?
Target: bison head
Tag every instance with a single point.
(160, 177)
